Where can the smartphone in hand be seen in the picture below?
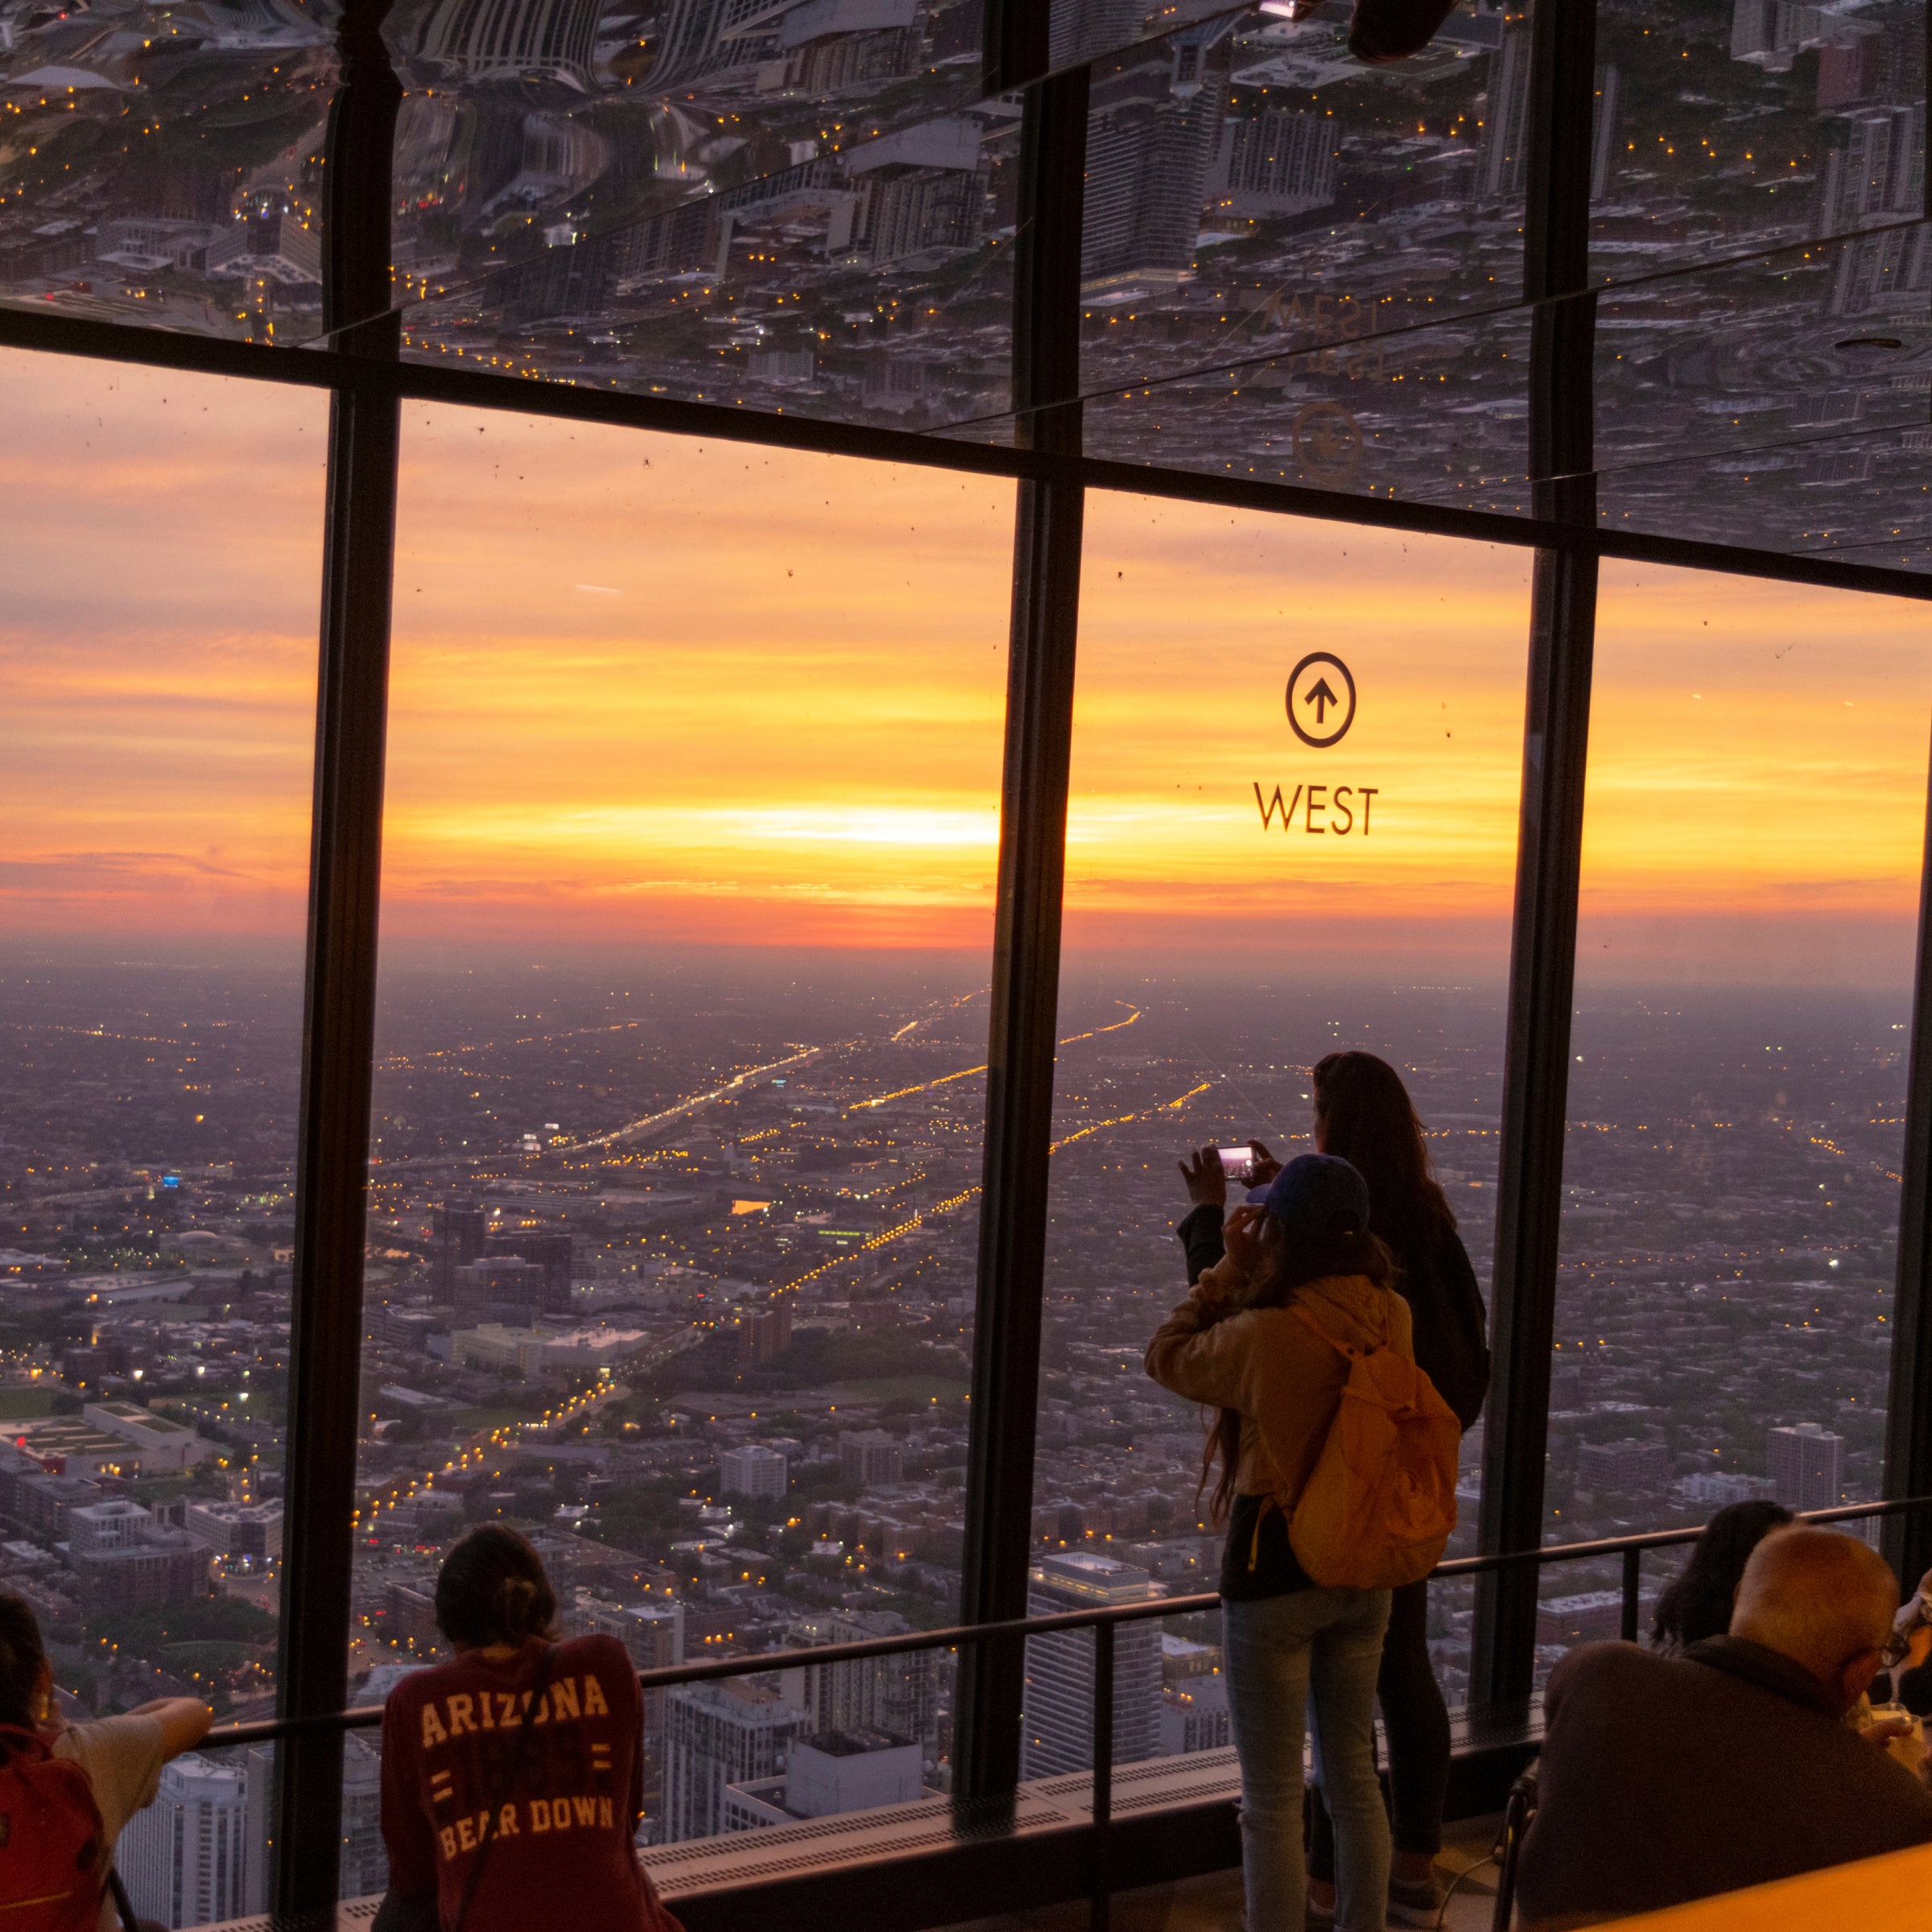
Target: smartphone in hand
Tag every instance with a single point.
(1237, 1164)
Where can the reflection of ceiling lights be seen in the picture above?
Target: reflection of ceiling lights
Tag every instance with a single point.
(1869, 342)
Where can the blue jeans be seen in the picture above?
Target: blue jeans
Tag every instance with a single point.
(1312, 1652)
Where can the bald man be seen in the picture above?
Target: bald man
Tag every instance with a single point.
(1669, 1778)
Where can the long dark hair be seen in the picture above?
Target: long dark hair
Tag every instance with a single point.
(1368, 1119)
(492, 1589)
(1698, 1604)
(1300, 1257)
(22, 1657)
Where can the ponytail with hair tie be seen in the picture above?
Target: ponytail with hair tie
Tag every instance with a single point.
(517, 1609)
(492, 1590)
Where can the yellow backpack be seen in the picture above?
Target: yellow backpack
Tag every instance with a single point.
(1379, 1507)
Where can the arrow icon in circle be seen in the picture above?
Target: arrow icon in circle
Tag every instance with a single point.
(1321, 697)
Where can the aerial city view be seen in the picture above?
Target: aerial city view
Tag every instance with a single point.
(692, 815)
(678, 1277)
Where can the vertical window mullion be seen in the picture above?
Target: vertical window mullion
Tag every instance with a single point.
(1555, 752)
(1026, 943)
(1908, 1539)
(339, 996)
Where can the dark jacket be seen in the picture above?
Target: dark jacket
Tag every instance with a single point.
(1666, 1779)
(1445, 1304)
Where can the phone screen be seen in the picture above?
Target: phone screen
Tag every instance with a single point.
(1237, 1163)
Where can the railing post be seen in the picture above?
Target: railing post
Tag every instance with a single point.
(338, 998)
(1543, 946)
(1633, 1561)
(1027, 940)
(1102, 1906)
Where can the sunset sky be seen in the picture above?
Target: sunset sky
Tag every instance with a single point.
(649, 691)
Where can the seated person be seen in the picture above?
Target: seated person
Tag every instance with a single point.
(121, 1757)
(1667, 1778)
(1699, 1602)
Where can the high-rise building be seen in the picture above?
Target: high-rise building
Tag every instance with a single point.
(1625, 1467)
(184, 1857)
(253, 1530)
(157, 1566)
(1872, 168)
(1193, 1716)
(653, 1633)
(1156, 122)
(734, 1732)
(765, 1332)
(872, 1458)
(1275, 163)
(1807, 1464)
(754, 1470)
(550, 1250)
(896, 1694)
(364, 1870)
(458, 1230)
(1503, 156)
(113, 1524)
(1194, 1697)
(257, 1829)
(1057, 1730)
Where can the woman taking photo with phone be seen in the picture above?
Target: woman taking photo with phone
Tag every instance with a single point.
(1364, 1114)
(1301, 1311)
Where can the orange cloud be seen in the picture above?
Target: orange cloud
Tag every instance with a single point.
(162, 552)
(1192, 621)
(647, 688)
(1757, 799)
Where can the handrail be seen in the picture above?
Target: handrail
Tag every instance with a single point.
(1630, 1548)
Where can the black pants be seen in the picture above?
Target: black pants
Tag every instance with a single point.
(1416, 1723)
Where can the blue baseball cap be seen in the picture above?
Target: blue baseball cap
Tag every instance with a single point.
(1316, 1193)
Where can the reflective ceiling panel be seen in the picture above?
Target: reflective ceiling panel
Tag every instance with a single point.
(1727, 127)
(161, 165)
(1249, 177)
(1436, 414)
(529, 127)
(872, 283)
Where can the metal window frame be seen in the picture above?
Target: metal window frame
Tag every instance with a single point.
(338, 1030)
(1556, 741)
(1025, 1003)
(356, 362)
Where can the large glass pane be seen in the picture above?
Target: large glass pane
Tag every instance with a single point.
(158, 660)
(1240, 902)
(692, 818)
(162, 166)
(1753, 826)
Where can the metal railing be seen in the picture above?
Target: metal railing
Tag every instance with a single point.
(1104, 1623)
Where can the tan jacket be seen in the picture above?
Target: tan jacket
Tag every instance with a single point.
(1285, 1381)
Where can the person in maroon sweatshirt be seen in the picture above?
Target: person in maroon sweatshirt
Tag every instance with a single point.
(521, 1745)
